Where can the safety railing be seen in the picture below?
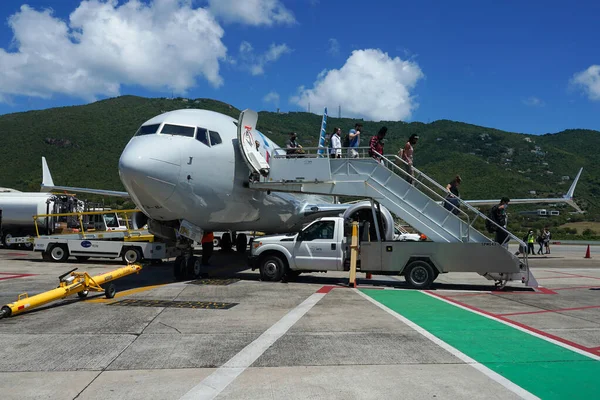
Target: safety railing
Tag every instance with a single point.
(84, 221)
(421, 181)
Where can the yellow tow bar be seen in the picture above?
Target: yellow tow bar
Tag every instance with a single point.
(70, 283)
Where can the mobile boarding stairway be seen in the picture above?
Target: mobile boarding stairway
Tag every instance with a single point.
(420, 203)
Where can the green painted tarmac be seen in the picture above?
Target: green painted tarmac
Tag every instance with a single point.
(542, 368)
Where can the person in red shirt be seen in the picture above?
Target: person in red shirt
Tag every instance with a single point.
(376, 144)
(207, 247)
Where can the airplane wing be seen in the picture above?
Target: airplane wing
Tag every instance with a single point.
(48, 185)
(567, 198)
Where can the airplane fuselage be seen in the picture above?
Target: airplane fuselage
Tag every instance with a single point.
(186, 164)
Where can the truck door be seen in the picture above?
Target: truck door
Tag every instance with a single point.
(317, 249)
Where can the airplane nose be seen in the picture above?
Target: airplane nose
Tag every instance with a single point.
(149, 168)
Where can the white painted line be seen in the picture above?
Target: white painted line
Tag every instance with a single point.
(216, 382)
(556, 342)
(518, 390)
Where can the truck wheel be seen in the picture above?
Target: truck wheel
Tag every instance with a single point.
(59, 253)
(5, 238)
(195, 267)
(226, 242)
(241, 243)
(216, 242)
(83, 294)
(272, 268)
(132, 255)
(419, 274)
(110, 291)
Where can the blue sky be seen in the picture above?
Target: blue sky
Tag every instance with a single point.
(520, 66)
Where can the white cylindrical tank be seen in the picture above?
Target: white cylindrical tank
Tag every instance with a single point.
(18, 209)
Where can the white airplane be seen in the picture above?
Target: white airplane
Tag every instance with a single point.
(193, 165)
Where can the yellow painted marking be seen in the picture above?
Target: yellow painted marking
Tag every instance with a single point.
(123, 294)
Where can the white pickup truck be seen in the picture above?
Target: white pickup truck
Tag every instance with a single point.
(324, 246)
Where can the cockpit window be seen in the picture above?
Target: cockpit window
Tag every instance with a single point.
(215, 138)
(147, 129)
(178, 130)
(202, 136)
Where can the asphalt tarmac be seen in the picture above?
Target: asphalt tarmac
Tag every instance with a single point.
(234, 337)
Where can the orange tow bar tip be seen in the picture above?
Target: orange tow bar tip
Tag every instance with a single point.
(70, 283)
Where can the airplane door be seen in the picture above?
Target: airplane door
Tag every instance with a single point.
(246, 137)
(317, 249)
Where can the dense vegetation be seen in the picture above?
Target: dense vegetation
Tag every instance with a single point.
(83, 143)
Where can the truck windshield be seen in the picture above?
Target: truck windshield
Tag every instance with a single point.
(111, 220)
(319, 230)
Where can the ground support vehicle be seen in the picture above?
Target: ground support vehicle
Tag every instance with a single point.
(98, 234)
(324, 246)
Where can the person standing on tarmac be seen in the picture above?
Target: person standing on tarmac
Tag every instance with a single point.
(207, 247)
(530, 243)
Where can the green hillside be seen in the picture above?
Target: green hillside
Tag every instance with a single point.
(83, 143)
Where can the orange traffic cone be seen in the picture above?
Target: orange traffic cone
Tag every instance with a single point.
(587, 253)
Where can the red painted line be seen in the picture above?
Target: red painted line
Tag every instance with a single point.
(545, 290)
(547, 311)
(596, 349)
(578, 287)
(575, 275)
(515, 323)
(17, 254)
(14, 276)
(326, 289)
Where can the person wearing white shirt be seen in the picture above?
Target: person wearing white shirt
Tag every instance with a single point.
(335, 148)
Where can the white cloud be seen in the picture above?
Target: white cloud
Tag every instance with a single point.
(370, 84)
(588, 81)
(334, 47)
(252, 12)
(256, 63)
(165, 44)
(272, 97)
(534, 102)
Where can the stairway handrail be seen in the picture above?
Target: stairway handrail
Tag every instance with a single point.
(462, 202)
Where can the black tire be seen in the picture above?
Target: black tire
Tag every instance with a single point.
(179, 268)
(226, 242)
(132, 255)
(419, 274)
(241, 243)
(83, 294)
(272, 268)
(109, 291)
(7, 235)
(194, 267)
(216, 242)
(82, 259)
(59, 252)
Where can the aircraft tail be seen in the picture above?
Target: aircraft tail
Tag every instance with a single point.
(47, 182)
(323, 133)
(571, 192)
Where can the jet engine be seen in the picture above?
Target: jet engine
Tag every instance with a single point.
(362, 212)
(138, 220)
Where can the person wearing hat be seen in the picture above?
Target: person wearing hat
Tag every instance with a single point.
(408, 155)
